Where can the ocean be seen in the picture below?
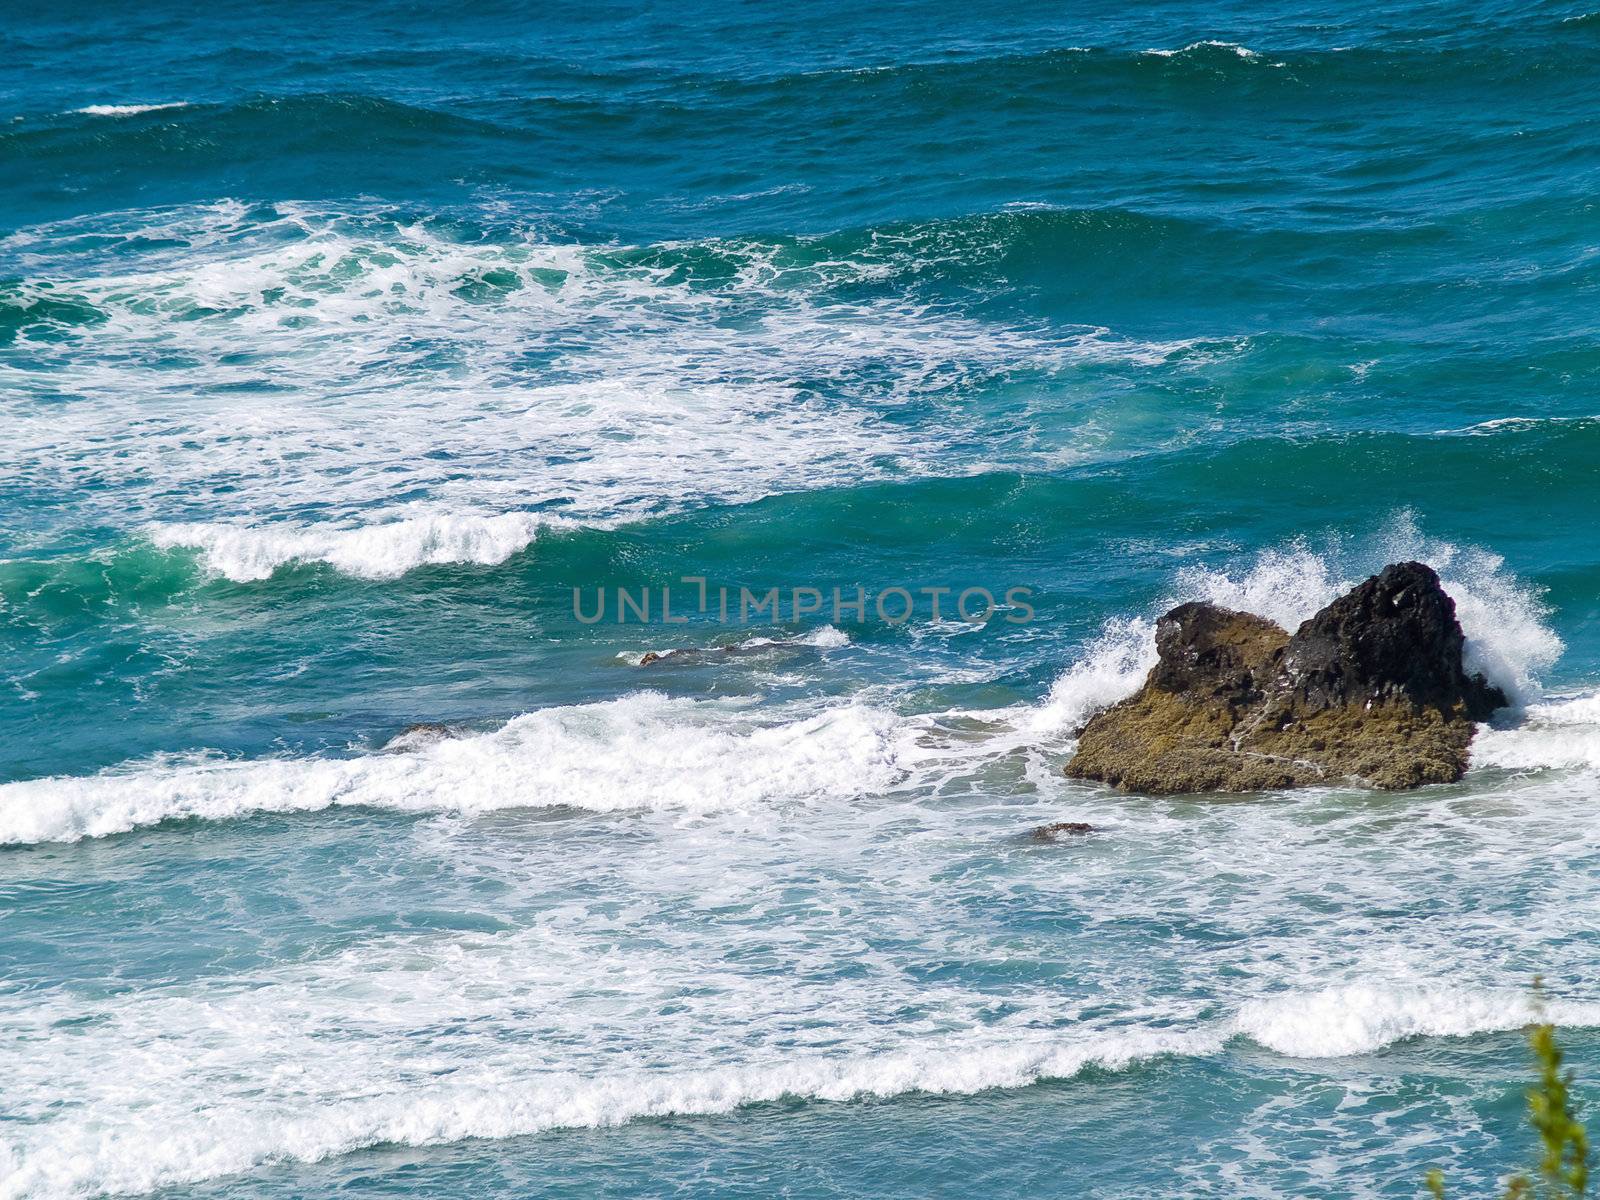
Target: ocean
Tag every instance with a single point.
(551, 558)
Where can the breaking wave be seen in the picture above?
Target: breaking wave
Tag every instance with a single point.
(126, 110)
(1558, 733)
(284, 383)
(644, 751)
(142, 1150)
(1361, 1018)
(488, 1106)
(377, 550)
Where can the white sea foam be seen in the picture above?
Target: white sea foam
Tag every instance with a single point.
(379, 549)
(150, 1153)
(765, 949)
(126, 110)
(1284, 585)
(1360, 1018)
(1558, 733)
(826, 637)
(262, 375)
(1233, 48)
(641, 752)
(479, 380)
(285, 1050)
(823, 637)
(1499, 425)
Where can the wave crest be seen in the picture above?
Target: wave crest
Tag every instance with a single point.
(142, 1158)
(644, 751)
(380, 550)
(148, 1149)
(127, 110)
(266, 381)
(1360, 1018)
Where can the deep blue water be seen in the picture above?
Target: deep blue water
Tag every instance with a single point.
(341, 345)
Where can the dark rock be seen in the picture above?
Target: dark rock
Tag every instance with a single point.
(1371, 688)
(1056, 831)
(1214, 653)
(1394, 637)
(679, 656)
(422, 733)
(698, 654)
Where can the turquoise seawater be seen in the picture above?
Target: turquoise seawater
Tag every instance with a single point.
(343, 345)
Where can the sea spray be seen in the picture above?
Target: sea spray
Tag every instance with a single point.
(1505, 621)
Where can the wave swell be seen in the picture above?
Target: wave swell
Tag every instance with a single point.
(642, 752)
(71, 1156)
(376, 550)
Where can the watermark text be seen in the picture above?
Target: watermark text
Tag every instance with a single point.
(693, 597)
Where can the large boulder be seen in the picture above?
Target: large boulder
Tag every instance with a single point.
(1371, 689)
(1395, 637)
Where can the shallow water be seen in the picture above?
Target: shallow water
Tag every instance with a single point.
(331, 365)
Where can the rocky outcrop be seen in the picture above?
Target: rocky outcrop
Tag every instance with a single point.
(1371, 689)
(1058, 830)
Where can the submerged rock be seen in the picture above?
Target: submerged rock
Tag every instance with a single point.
(1057, 830)
(696, 654)
(1372, 688)
(423, 733)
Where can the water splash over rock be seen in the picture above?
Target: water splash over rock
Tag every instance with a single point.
(1371, 688)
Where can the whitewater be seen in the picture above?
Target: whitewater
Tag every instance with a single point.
(344, 351)
(865, 804)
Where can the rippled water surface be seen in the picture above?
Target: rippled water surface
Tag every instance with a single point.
(340, 344)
